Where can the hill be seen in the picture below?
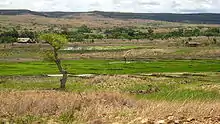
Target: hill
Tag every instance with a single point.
(200, 18)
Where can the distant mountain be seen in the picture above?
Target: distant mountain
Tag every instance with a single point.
(200, 18)
(20, 12)
(46, 14)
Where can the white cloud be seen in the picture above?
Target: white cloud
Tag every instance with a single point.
(115, 5)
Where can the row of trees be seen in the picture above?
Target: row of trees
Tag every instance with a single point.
(84, 32)
(188, 33)
(128, 33)
(80, 34)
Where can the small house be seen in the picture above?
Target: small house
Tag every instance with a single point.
(192, 44)
(25, 40)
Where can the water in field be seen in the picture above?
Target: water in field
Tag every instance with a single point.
(100, 48)
(127, 62)
(73, 48)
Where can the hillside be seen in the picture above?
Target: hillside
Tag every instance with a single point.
(201, 18)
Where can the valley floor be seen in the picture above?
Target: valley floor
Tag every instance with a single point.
(160, 82)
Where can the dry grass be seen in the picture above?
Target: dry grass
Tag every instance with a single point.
(116, 82)
(92, 21)
(38, 22)
(103, 107)
(131, 54)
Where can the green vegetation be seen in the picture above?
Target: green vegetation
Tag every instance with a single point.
(173, 92)
(41, 83)
(163, 86)
(110, 67)
(11, 35)
(84, 33)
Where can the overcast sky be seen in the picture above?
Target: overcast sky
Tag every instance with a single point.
(142, 6)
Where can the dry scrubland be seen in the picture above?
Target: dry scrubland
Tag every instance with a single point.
(101, 107)
(39, 23)
(111, 98)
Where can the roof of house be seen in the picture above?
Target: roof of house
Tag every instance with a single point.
(193, 43)
(24, 39)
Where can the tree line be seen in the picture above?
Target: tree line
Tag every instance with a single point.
(11, 35)
(84, 33)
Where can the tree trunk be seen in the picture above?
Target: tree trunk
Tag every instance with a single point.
(62, 71)
(125, 60)
(63, 80)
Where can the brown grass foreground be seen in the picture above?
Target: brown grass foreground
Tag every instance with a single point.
(100, 107)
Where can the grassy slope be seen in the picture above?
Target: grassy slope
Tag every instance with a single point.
(183, 87)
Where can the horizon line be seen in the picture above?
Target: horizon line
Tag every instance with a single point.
(113, 11)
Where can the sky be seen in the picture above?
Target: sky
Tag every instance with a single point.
(136, 6)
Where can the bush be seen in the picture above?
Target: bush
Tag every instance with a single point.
(190, 39)
(8, 39)
(214, 41)
(84, 29)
